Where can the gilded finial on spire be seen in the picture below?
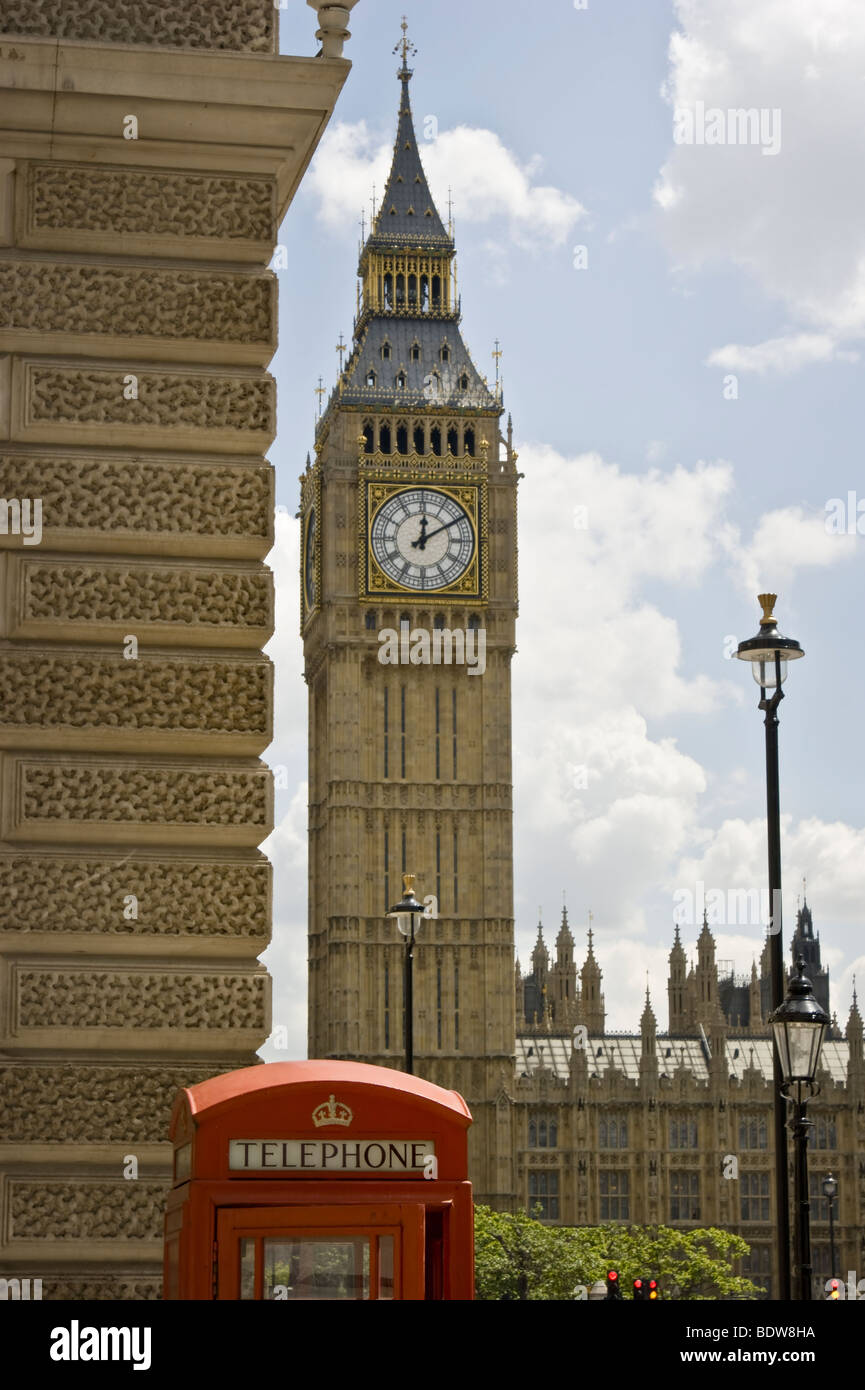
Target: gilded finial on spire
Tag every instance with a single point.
(405, 47)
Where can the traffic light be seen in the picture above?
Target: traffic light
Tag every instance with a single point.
(834, 1292)
(640, 1290)
(613, 1290)
(654, 1291)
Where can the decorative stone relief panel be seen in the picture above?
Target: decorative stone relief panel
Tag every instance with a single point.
(82, 1210)
(180, 695)
(64, 199)
(138, 999)
(108, 499)
(94, 404)
(47, 893)
(84, 1104)
(239, 26)
(121, 1287)
(70, 799)
(130, 301)
(120, 598)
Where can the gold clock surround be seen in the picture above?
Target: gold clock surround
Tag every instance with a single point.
(375, 584)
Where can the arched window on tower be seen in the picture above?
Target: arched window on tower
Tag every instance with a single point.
(445, 353)
(439, 622)
(370, 620)
(400, 381)
(424, 293)
(469, 440)
(474, 623)
(418, 439)
(384, 439)
(402, 437)
(385, 351)
(368, 437)
(388, 291)
(436, 292)
(415, 352)
(400, 291)
(453, 440)
(464, 382)
(370, 377)
(435, 440)
(412, 290)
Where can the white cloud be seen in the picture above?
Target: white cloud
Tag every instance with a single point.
(794, 222)
(785, 541)
(488, 181)
(782, 355)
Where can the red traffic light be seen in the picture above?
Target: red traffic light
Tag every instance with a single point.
(638, 1283)
(612, 1275)
(653, 1288)
(834, 1291)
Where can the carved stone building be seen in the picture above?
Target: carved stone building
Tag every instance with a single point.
(149, 153)
(676, 1127)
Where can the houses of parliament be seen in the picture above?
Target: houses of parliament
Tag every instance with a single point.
(409, 523)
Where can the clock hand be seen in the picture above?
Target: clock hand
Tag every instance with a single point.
(420, 543)
(430, 534)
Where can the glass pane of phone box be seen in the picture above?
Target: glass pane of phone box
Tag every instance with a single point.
(313, 1267)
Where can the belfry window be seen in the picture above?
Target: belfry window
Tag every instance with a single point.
(368, 437)
(424, 293)
(388, 291)
(418, 439)
(400, 291)
(412, 289)
(436, 292)
(435, 440)
(453, 442)
(469, 441)
(402, 438)
(384, 439)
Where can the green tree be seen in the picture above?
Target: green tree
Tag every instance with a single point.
(518, 1257)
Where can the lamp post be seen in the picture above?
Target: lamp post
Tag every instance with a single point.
(830, 1187)
(769, 653)
(800, 1025)
(405, 914)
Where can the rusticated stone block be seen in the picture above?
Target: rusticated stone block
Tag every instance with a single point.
(144, 802)
(237, 26)
(66, 205)
(66, 893)
(77, 699)
(164, 505)
(78, 1209)
(132, 404)
(141, 999)
(85, 1104)
(178, 604)
(60, 306)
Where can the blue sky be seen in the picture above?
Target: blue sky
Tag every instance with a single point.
(555, 128)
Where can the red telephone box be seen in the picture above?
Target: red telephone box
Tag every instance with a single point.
(319, 1180)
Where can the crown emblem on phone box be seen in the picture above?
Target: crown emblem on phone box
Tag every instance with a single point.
(332, 1112)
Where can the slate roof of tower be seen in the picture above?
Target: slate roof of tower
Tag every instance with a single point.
(401, 333)
(407, 213)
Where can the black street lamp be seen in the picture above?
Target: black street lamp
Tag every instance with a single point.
(800, 1026)
(769, 653)
(830, 1187)
(405, 914)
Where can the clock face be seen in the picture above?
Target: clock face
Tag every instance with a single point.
(422, 539)
(309, 544)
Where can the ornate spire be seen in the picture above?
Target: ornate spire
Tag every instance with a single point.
(407, 213)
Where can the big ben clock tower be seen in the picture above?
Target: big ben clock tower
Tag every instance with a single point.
(408, 608)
